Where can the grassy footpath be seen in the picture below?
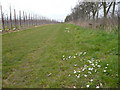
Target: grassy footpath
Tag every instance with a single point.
(61, 55)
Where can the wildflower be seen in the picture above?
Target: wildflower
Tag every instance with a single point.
(74, 87)
(87, 86)
(63, 58)
(74, 71)
(79, 71)
(85, 65)
(75, 65)
(85, 75)
(66, 28)
(96, 62)
(92, 64)
(78, 76)
(107, 64)
(69, 75)
(69, 57)
(89, 61)
(84, 53)
(80, 53)
(76, 54)
(49, 74)
(74, 57)
(97, 87)
(83, 69)
(89, 72)
(95, 70)
(91, 80)
(99, 66)
(101, 84)
(104, 70)
(90, 68)
(63, 55)
(105, 67)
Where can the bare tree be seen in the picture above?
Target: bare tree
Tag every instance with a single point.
(2, 17)
(20, 18)
(113, 11)
(10, 19)
(15, 21)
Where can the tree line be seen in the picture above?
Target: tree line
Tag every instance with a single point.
(95, 12)
(14, 21)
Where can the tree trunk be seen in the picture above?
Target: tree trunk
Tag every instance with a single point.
(20, 18)
(113, 12)
(15, 21)
(2, 17)
(10, 19)
(104, 9)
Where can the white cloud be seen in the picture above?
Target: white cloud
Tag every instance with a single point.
(54, 9)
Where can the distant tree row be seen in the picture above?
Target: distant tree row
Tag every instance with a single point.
(90, 10)
(85, 11)
(14, 21)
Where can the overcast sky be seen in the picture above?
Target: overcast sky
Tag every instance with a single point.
(54, 9)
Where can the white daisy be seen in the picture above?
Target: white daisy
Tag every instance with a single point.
(95, 70)
(92, 64)
(78, 76)
(98, 65)
(76, 54)
(74, 57)
(84, 53)
(75, 65)
(74, 87)
(87, 86)
(69, 75)
(89, 68)
(85, 75)
(69, 57)
(97, 87)
(74, 71)
(85, 65)
(91, 80)
(89, 72)
(83, 69)
(63, 58)
(96, 62)
(105, 67)
(90, 61)
(104, 70)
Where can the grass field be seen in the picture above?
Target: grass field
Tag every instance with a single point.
(61, 55)
(0, 60)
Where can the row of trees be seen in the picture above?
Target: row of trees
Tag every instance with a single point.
(85, 11)
(13, 21)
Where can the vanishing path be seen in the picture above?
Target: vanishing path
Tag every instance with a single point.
(49, 56)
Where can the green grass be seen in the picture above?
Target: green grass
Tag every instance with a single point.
(55, 56)
(0, 60)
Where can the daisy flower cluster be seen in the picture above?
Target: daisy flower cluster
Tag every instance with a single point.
(67, 30)
(90, 67)
(73, 56)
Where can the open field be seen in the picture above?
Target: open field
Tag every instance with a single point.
(61, 55)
